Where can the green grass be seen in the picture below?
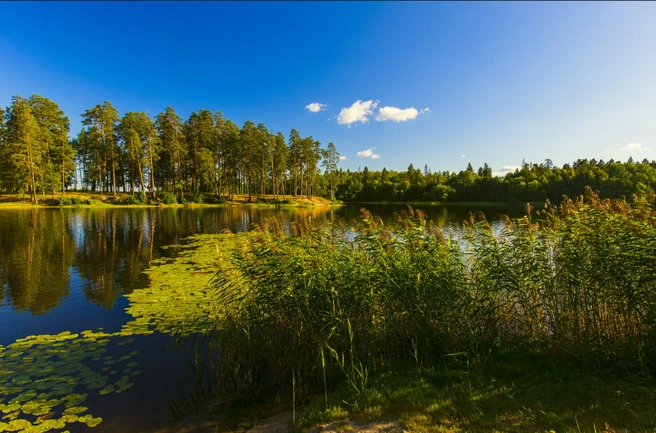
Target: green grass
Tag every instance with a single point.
(514, 394)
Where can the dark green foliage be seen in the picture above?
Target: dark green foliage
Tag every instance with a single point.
(531, 182)
(215, 199)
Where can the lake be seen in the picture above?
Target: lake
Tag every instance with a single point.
(70, 269)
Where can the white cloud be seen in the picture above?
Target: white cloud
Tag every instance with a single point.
(638, 147)
(369, 153)
(358, 112)
(342, 158)
(463, 156)
(396, 114)
(366, 153)
(315, 107)
(505, 170)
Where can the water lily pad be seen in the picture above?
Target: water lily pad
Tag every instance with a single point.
(106, 390)
(94, 422)
(75, 410)
(68, 419)
(11, 416)
(18, 424)
(11, 407)
(53, 423)
(27, 395)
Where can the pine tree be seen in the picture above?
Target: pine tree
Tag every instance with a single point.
(22, 146)
(330, 161)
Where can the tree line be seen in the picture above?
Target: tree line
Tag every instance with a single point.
(531, 182)
(206, 153)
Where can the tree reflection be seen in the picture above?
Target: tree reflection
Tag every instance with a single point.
(44, 251)
(36, 254)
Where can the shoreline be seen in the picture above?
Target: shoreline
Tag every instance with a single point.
(105, 201)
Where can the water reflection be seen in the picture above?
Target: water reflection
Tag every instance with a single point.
(107, 249)
(37, 250)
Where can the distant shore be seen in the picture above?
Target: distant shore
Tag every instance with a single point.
(88, 199)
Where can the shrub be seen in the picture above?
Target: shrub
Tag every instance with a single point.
(63, 201)
(198, 197)
(136, 199)
(169, 198)
(77, 201)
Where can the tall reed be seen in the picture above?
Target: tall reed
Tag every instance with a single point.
(338, 302)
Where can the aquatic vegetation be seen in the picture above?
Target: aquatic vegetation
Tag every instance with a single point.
(47, 378)
(44, 379)
(179, 288)
(296, 313)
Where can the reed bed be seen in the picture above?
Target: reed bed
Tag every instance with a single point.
(302, 308)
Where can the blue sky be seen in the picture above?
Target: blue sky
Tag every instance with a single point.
(441, 84)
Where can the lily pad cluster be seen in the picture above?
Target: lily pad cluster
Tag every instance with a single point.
(179, 292)
(45, 379)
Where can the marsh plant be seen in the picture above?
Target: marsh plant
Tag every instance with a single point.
(298, 309)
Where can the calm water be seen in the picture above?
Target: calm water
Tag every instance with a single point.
(68, 269)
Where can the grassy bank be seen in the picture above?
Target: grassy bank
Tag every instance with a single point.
(528, 393)
(90, 199)
(541, 326)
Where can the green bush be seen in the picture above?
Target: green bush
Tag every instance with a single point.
(169, 198)
(63, 201)
(198, 197)
(136, 199)
(77, 201)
